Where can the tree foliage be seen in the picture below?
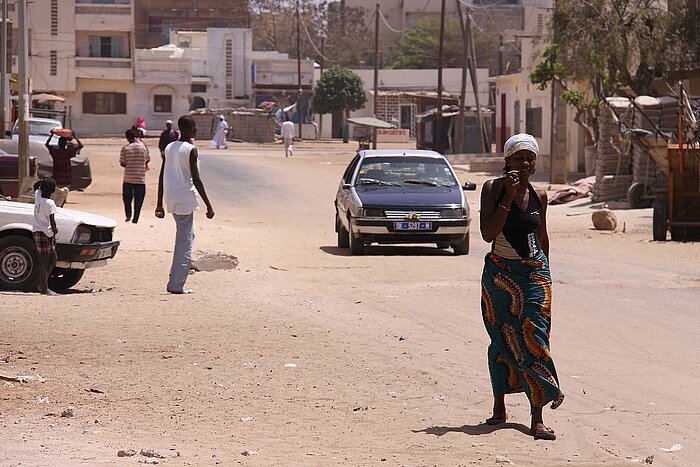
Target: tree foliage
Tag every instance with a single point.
(419, 46)
(346, 36)
(338, 89)
(615, 45)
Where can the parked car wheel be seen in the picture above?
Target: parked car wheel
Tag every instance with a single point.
(461, 248)
(357, 248)
(63, 279)
(660, 221)
(343, 234)
(19, 263)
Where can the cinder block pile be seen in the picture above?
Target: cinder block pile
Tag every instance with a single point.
(613, 166)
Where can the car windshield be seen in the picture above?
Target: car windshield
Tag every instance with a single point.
(408, 170)
(38, 128)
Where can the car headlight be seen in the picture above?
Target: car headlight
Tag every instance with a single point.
(373, 212)
(82, 235)
(454, 213)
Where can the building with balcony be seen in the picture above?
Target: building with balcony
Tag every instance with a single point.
(155, 19)
(82, 50)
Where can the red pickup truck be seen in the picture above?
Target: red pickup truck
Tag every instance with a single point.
(9, 170)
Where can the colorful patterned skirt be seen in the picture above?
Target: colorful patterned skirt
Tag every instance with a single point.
(516, 304)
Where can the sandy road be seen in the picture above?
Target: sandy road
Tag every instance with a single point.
(186, 373)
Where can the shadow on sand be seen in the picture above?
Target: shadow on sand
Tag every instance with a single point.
(474, 430)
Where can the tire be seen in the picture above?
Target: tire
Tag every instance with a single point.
(660, 221)
(461, 248)
(443, 245)
(19, 263)
(343, 234)
(635, 196)
(357, 248)
(63, 279)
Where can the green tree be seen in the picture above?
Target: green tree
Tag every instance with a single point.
(418, 47)
(615, 46)
(339, 89)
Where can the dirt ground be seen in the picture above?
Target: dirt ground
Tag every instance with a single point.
(304, 355)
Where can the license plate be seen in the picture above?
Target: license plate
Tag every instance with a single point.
(413, 225)
(104, 253)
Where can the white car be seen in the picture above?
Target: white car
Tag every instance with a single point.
(39, 129)
(84, 241)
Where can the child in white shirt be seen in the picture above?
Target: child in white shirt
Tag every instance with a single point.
(45, 230)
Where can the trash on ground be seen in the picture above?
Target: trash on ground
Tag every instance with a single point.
(503, 460)
(126, 453)
(290, 365)
(674, 448)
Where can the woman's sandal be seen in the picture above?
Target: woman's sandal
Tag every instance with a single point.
(497, 420)
(546, 434)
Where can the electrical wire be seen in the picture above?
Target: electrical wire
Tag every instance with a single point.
(381, 15)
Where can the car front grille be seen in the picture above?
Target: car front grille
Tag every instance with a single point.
(98, 234)
(411, 215)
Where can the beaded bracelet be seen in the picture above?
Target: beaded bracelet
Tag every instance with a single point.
(504, 207)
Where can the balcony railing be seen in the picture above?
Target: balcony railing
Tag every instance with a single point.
(88, 9)
(99, 62)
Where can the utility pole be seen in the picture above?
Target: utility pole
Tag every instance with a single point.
(23, 101)
(437, 136)
(300, 118)
(553, 111)
(3, 70)
(485, 145)
(459, 144)
(376, 74)
(320, 117)
(501, 49)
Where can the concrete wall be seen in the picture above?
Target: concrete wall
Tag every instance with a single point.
(92, 124)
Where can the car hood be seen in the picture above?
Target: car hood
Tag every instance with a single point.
(12, 211)
(412, 195)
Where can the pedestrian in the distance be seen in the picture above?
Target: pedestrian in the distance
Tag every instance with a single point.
(219, 139)
(134, 158)
(167, 136)
(516, 287)
(179, 183)
(140, 127)
(287, 132)
(61, 155)
(44, 231)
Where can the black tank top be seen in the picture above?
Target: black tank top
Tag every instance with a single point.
(520, 229)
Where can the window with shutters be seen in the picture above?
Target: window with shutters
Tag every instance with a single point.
(54, 63)
(107, 47)
(162, 103)
(104, 103)
(533, 121)
(197, 87)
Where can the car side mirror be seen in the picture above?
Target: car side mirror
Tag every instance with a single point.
(470, 186)
(346, 186)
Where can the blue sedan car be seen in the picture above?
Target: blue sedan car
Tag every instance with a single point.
(401, 196)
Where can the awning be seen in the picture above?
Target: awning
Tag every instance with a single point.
(43, 97)
(371, 122)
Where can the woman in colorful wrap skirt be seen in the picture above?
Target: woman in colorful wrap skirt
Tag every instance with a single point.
(516, 294)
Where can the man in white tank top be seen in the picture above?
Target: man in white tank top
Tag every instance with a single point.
(179, 183)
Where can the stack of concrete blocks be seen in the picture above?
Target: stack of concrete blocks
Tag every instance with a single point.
(250, 125)
(661, 112)
(206, 125)
(613, 165)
